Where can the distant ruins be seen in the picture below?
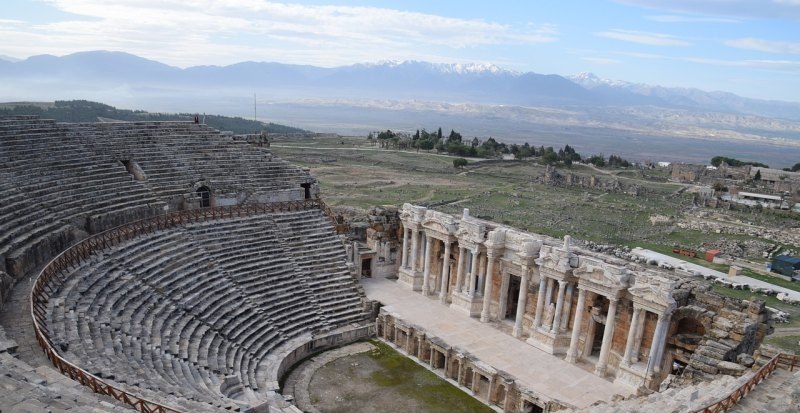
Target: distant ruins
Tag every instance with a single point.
(768, 187)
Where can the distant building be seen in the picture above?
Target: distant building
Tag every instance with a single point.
(664, 164)
(755, 199)
(786, 265)
(711, 254)
(778, 179)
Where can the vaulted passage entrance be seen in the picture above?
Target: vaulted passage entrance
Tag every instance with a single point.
(205, 196)
(512, 298)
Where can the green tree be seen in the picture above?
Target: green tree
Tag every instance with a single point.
(757, 176)
(459, 163)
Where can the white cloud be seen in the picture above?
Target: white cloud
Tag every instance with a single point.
(201, 31)
(678, 18)
(768, 46)
(648, 38)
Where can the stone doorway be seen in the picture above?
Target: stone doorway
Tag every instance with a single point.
(366, 268)
(307, 189)
(514, 285)
(597, 340)
(528, 407)
(205, 196)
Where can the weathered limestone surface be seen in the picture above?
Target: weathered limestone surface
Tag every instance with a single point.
(634, 323)
(204, 316)
(25, 389)
(63, 182)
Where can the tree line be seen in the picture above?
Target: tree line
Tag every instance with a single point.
(455, 144)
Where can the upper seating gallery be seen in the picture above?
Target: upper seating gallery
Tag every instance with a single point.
(60, 182)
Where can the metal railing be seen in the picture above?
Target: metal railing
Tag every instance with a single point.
(787, 361)
(57, 269)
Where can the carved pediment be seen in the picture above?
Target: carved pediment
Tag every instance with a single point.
(496, 239)
(652, 290)
(412, 213)
(471, 231)
(603, 274)
(437, 226)
(557, 260)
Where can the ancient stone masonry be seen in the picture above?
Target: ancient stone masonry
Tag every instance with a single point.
(568, 179)
(61, 182)
(635, 325)
(181, 266)
(493, 387)
(373, 244)
(771, 180)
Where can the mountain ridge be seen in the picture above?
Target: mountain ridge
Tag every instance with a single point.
(483, 83)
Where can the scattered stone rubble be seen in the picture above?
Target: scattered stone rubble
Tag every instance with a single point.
(568, 179)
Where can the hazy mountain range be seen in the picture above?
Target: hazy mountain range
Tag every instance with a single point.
(478, 99)
(475, 83)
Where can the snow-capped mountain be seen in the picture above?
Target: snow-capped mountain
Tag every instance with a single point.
(689, 98)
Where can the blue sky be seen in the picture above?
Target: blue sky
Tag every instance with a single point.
(749, 47)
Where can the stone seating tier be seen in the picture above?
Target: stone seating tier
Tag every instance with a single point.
(63, 181)
(181, 311)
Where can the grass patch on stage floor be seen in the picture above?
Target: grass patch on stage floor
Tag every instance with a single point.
(384, 380)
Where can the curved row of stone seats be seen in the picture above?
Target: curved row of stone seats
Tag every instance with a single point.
(55, 190)
(27, 389)
(195, 312)
(61, 182)
(318, 253)
(176, 155)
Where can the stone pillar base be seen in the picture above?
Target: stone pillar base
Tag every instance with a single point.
(632, 376)
(463, 303)
(410, 279)
(551, 343)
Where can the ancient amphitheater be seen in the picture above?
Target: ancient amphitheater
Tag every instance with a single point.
(167, 267)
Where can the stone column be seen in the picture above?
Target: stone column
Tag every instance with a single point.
(548, 293)
(462, 258)
(567, 307)
(537, 321)
(426, 274)
(657, 346)
(445, 273)
(572, 353)
(414, 249)
(460, 378)
(559, 307)
(591, 330)
(637, 346)
(481, 273)
(487, 291)
(626, 359)
(404, 263)
(521, 302)
(473, 275)
(608, 334)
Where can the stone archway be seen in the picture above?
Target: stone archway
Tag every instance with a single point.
(205, 196)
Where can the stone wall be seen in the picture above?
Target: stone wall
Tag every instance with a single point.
(496, 388)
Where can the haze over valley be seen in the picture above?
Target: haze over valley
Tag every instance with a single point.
(593, 114)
